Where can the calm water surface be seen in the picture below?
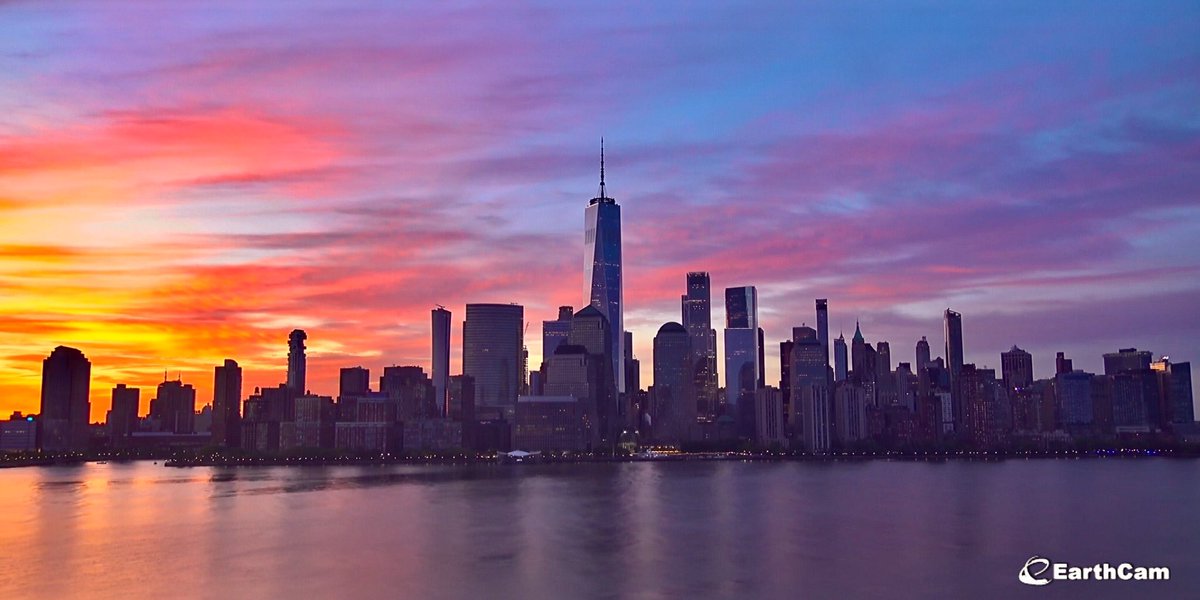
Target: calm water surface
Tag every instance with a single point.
(632, 530)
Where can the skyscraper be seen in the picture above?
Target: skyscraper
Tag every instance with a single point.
(811, 413)
(590, 331)
(440, 365)
(174, 407)
(697, 319)
(602, 269)
(922, 354)
(840, 358)
(954, 360)
(823, 325)
(296, 361)
(123, 417)
(674, 404)
(555, 332)
(1016, 366)
(354, 381)
(741, 354)
(493, 341)
(227, 404)
(66, 377)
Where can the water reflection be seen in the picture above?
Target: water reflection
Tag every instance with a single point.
(640, 530)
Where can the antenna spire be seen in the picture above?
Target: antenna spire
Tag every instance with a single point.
(603, 193)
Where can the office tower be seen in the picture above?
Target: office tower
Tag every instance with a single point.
(313, 425)
(576, 373)
(174, 407)
(354, 381)
(296, 361)
(864, 369)
(602, 269)
(922, 354)
(66, 408)
(674, 414)
(1017, 368)
(123, 417)
(227, 405)
(954, 358)
(633, 375)
(823, 325)
(785, 376)
(883, 366)
(768, 417)
(462, 398)
(697, 319)
(810, 390)
(555, 332)
(1176, 385)
(413, 392)
(1074, 393)
(552, 424)
(1062, 364)
(493, 338)
(839, 358)
(741, 355)
(440, 366)
(1126, 360)
(590, 331)
(1135, 363)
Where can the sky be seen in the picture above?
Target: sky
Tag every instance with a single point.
(182, 183)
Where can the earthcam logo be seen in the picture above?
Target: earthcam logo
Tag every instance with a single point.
(1038, 570)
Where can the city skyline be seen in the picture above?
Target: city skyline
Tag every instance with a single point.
(240, 194)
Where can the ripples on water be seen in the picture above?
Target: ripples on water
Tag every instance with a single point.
(627, 530)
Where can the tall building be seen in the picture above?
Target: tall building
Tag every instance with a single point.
(1126, 360)
(297, 362)
(1062, 364)
(575, 372)
(840, 358)
(493, 341)
(785, 375)
(440, 364)
(741, 355)
(1176, 384)
(66, 377)
(412, 391)
(674, 402)
(123, 417)
(590, 331)
(1016, 365)
(922, 354)
(602, 267)
(174, 407)
(811, 415)
(555, 332)
(954, 359)
(823, 325)
(227, 404)
(354, 381)
(697, 319)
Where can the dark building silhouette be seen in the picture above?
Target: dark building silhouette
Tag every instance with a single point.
(785, 377)
(66, 408)
(173, 408)
(954, 360)
(811, 406)
(922, 354)
(1017, 368)
(577, 373)
(297, 362)
(440, 365)
(227, 405)
(840, 359)
(1062, 364)
(555, 332)
(493, 341)
(673, 396)
(354, 381)
(823, 325)
(590, 331)
(1175, 382)
(697, 319)
(412, 391)
(123, 416)
(552, 424)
